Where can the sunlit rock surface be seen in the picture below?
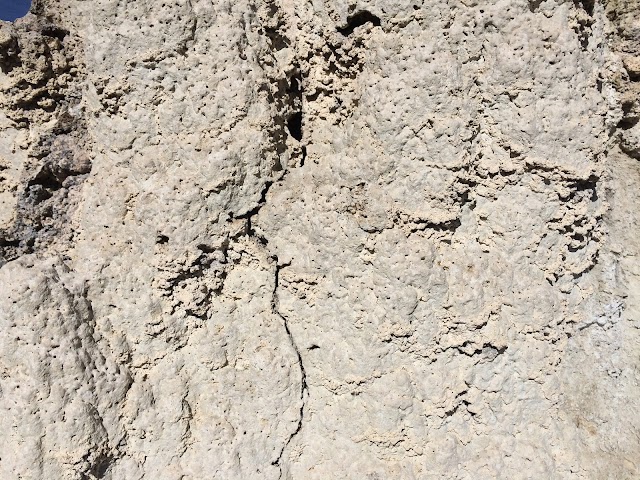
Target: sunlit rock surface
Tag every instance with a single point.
(320, 240)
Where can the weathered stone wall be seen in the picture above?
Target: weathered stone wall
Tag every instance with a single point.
(322, 239)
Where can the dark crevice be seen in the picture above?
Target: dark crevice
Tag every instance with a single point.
(285, 93)
(278, 42)
(489, 350)
(294, 125)
(534, 5)
(304, 156)
(4, 242)
(304, 389)
(583, 28)
(294, 94)
(448, 226)
(59, 167)
(47, 179)
(357, 20)
(583, 37)
(452, 412)
(10, 54)
(588, 185)
(275, 26)
(287, 128)
(586, 5)
(53, 31)
(295, 85)
(583, 31)
(101, 467)
(627, 111)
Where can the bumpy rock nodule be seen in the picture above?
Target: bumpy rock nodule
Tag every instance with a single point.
(276, 239)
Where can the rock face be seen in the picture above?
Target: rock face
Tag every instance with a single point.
(264, 239)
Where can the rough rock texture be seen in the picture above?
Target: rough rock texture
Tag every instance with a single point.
(363, 239)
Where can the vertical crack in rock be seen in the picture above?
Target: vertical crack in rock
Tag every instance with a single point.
(304, 389)
(284, 89)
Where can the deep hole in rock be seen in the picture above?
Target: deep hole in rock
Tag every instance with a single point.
(54, 32)
(294, 124)
(47, 179)
(304, 156)
(101, 467)
(4, 242)
(627, 123)
(295, 85)
(587, 5)
(358, 20)
(634, 76)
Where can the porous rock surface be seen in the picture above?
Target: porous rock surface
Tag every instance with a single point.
(339, 239)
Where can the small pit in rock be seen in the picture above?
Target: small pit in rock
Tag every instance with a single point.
(357, 20)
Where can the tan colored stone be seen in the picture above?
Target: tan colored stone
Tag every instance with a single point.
(316, 240)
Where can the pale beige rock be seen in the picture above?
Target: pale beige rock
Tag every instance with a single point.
(311, 240)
